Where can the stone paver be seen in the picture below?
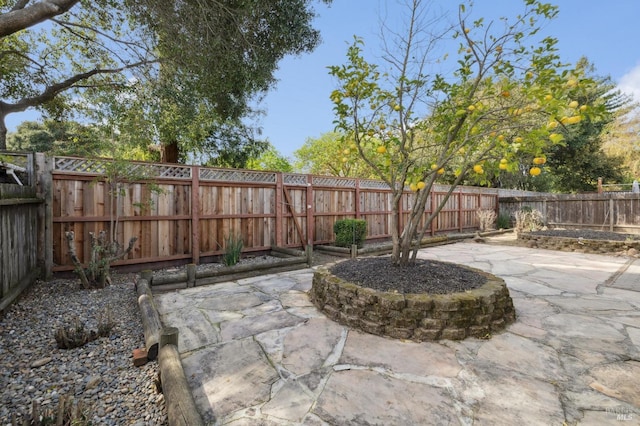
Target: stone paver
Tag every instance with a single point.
(256, 351)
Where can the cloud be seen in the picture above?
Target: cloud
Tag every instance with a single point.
(630, 83)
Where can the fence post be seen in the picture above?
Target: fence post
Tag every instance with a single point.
(44, 190)
(278, 207)
(357, 199)
(611, 213)
(460, 216)
(195, 214)
(310, 211)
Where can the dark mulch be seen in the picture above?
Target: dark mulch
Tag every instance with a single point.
(425, 276)
(587, 234)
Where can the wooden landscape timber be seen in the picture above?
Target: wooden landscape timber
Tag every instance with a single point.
(181, 407)
(150, 318)
(294, 259)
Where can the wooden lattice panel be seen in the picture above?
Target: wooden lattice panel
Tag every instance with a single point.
(100, 166)
(229, 175)
(373, 184)
(334, 182)
(294, 179)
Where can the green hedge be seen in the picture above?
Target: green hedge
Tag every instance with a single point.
(350, 231)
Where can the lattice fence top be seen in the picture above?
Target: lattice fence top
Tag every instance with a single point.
(101, 166)
(294, 179)
(373, 184)
(229, 175)
(334, 182)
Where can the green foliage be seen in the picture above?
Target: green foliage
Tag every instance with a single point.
(349, 232)
(232, 249)
(503, 221)
(172, 76)
(59, 138)
(270, 160)
(621, 139)
(327, 155)
(508, 94)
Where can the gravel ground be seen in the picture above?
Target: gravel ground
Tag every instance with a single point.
(587, 234)
(425, 276)
(100, 374)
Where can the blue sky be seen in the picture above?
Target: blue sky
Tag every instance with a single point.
(299, 106)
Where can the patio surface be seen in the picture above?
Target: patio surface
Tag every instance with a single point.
(257, 352)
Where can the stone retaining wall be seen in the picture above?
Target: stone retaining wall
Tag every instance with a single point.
(418, 317)
(578, 245)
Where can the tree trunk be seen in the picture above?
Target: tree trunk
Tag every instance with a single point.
(3, 132)
(170, 152)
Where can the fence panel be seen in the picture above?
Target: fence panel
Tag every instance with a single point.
(19, 229)
(619, 212)
(185, 212)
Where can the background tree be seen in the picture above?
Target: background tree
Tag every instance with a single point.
(216, 57)
(270, 160)
(412, 125)
(622, 139)
(328, 156)
(59, 137)
(576, 165)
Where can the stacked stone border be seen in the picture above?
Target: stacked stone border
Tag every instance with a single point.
(579, 245)
(419, 317)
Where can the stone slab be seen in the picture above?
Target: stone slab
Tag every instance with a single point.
(252, 325)
(400, 357)
(229, 377)
(307, 347)
(365, 397)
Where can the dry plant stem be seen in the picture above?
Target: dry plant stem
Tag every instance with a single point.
(102, 255)
(74, 258)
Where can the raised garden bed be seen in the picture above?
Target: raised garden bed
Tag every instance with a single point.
(583, 241)
(477, 312)
(279, 260)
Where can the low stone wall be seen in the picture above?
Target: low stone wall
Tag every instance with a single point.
(418, 317)
(578, 244)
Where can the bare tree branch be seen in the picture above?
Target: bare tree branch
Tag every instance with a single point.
(21, 17)
(51, 91)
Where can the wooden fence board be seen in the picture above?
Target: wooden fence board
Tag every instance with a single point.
(167, 223)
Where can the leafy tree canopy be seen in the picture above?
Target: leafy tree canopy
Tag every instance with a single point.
(327, 155)
(270, 160)
(413, 124)
(212, 57)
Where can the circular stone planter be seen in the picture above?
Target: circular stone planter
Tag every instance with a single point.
(419, 317)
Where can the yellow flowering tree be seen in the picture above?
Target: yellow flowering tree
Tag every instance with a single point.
(414, 125)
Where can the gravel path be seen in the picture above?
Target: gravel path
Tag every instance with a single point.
(100, 373)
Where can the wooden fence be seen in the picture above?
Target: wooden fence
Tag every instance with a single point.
(183, 213)
(20, 241)
(615, 212)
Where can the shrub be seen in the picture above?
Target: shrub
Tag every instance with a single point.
(486, 219)
(350, 231)
(232, 249)
(503, 221)
(528, 220)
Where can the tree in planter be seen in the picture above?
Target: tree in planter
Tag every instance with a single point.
(105, 247)
(412, 126)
